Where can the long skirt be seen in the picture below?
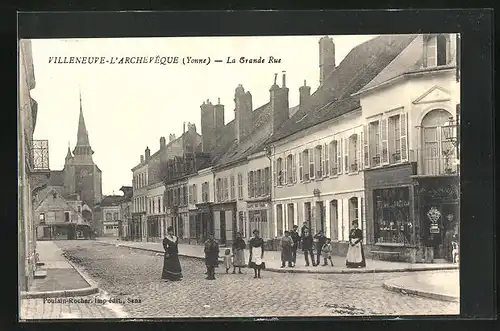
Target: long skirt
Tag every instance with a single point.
(256, 259)
(355, 256)
(239, 258)
(286, 254)
(171, 268)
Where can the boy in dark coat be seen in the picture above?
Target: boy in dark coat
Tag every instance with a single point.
(307, 247)
(211, 256)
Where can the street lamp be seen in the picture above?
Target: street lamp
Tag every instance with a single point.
(450, 130)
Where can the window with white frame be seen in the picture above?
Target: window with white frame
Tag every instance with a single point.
(115, 217)
(108, 216)
(195, 195)
(394, 138)
(218, 188)
(262, 182)
(289, 168)
(267, 181)
(436, 50)
(257, 184)
(240, 186)
(374, 143)
(318, 154)
(312, 168)
(233, 188)
(42, 218)
(353, 153)
(159, 205)
(251, 186)
(334, 162)
(226, 189)
(326, 160)
(279, 171)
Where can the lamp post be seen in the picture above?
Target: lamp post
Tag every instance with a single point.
(450, 130)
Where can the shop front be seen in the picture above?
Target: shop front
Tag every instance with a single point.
(259, 218)
(224, 215)
(135, 227)
(204, 222)
(392, 230)
(154, 228)
(439, 212)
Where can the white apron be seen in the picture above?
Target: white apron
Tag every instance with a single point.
(354, 253)
(257, 255)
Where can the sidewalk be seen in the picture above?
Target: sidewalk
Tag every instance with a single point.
(273, 260)
(444, 286)
(62, 280)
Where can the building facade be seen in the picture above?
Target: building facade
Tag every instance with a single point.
(33, 167)
(411, 113)
(60, 217)
(126, 211)
(200, 201)
(138, 229)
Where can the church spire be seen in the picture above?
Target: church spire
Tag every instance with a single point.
(82, 140)
(69, 155)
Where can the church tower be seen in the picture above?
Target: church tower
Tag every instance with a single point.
(84, 176)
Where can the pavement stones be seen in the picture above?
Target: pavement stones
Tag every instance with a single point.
(133, 277)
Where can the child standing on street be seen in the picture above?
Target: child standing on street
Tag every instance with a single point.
(326, 251)
(228, 263)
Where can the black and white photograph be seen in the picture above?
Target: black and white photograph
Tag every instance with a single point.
(239, 176)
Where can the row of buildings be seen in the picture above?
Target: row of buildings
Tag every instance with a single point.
(377, 142)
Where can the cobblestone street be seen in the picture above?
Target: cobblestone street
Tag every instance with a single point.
(133, 277)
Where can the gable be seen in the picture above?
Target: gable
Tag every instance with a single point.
(53, 204)
(435, 94)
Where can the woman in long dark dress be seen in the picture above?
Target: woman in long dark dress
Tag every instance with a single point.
(256, 253)
(239, 246)
(355, 253)
(171, 266)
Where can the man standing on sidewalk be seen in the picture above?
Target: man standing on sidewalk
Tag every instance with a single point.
(296, 241)
(321, 240)
(211, 256)
(307, 247)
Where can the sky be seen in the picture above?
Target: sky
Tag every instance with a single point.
(128, 107)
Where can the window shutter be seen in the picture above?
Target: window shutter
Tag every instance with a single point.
(346, 155)
(404, 137)
(250, 184)
(366, 149)
(294, 168)
(359, 157)
(326, 168)
(301, 170)
(275, 173)
(284, 170)
(339, 156)
(384, 142)
(312, 167)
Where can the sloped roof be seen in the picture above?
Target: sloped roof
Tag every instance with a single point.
(334, 98)
(228, 150)
(56, 178)
(111, 200)
(410, 59)
(80, 219)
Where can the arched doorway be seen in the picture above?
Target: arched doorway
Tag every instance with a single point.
(438, 152)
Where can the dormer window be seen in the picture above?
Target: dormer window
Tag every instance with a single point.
(436, 50)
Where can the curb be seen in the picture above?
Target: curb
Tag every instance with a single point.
(92, 289)
(403, 290)
(298, 271)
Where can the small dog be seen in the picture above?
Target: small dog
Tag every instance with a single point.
(455, 252)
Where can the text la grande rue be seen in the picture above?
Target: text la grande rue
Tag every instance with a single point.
(260, 59)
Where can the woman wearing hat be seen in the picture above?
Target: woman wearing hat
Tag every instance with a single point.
(171, 265)
(256, 253)
(355, 254)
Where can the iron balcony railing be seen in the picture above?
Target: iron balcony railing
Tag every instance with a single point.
(437, 160)
(39, 155)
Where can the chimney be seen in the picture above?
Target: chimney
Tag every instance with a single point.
(171, 137)
(208, 132)
(326, 58)
(242, 113)
(279, 103)
(162, 142)
(218, 118)
(147, 153)
(305, 93)
(142, 158)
